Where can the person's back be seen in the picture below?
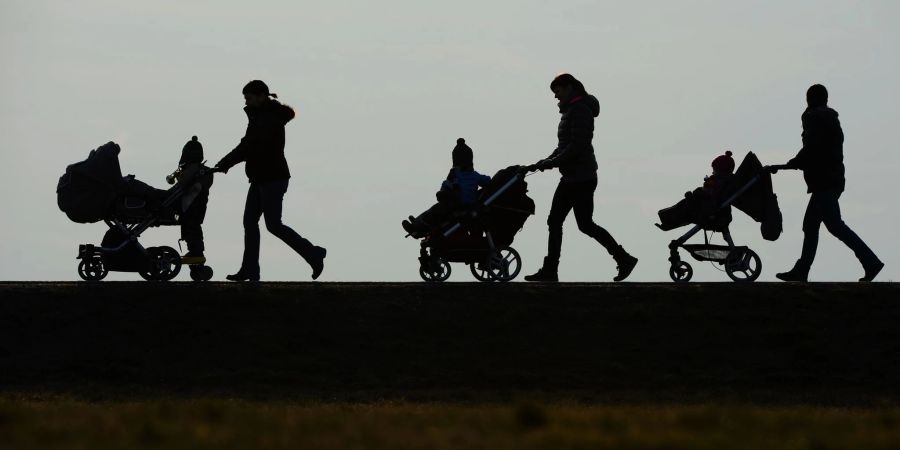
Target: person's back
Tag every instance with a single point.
(465, 183)
(822, 161)
(822, 156)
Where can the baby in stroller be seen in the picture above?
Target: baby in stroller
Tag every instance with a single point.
(458, 191)
(473, 226)
(709, 208)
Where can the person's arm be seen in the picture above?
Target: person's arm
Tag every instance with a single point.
(579, 139)
(239, 154)
(813, 136)
(483, 180)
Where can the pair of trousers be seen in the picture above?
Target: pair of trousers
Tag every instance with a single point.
(264, 199)
(824, 208)
(577, 197)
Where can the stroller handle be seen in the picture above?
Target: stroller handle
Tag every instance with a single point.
(775, 168)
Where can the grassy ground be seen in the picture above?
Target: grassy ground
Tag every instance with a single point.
(182, 424)
(122, 365)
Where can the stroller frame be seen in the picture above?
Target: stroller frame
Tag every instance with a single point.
(741, 263)
(500, 264)
(154, 263)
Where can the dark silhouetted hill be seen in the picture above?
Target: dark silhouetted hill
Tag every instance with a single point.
(816, 343)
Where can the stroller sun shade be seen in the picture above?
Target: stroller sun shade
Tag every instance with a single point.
(759, 200)
(508, 211)
(88, 189)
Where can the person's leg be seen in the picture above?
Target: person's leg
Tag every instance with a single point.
(434, 216)
(831, 217)
(559, 209)
(812, 220)
(252, 212)
(272, 197)
(583, 206)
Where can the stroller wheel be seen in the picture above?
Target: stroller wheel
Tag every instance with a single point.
(743, 266)
(681, 272)
(480, 272)
(165, 263)
(505, 264)
(201, 273)
(435, 271)
(92, 269)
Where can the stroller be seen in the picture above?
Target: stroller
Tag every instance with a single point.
(481, 235)
(749, 190)
(94, 189)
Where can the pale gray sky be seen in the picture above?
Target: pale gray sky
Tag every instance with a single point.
(383, 89)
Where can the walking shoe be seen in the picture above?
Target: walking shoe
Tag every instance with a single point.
(193, 258)
(241, 276)
(624, 264)
(408, 227)
(546, 274)
(792, 275)
(317, 261)
(872, 271)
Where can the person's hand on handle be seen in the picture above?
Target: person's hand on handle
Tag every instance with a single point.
(540, 165)
(774, 169)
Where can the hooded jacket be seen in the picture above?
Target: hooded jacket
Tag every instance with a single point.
(822, 155)
(262, 146)
(574, 155)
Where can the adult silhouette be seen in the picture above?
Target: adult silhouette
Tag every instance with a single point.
(574, 156)
(262, 151)
(822, 161)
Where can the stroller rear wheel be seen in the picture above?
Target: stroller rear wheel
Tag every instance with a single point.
(92, 269)
(682, 272)
(505, 264)
(435, 271)
(201, 273)
(165, 263)
(743, 266)
(480, 272)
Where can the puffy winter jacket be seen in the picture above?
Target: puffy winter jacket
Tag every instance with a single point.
(262, 147)
(574, 155)
(822, 155)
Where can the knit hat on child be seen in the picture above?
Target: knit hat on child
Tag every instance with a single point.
(192, 152)
(462, 155)
(723, 163)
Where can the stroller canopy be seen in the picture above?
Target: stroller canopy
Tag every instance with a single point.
(508, 212)
(88, 189)
(759, 200)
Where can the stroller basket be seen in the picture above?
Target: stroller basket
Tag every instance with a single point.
(706, 252)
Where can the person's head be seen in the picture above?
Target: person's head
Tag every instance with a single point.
(566, 87)
(256, 93)
(462, 155)
(723, 164)
(816, 95)
(192, 152)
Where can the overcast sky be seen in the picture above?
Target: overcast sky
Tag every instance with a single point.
(383, 89)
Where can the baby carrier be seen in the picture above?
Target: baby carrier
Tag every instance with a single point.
(481, 235)
(750, 191)
(94, 190)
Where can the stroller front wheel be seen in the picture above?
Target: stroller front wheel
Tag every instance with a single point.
(682, 272)
(92, 269)
(435, 271)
